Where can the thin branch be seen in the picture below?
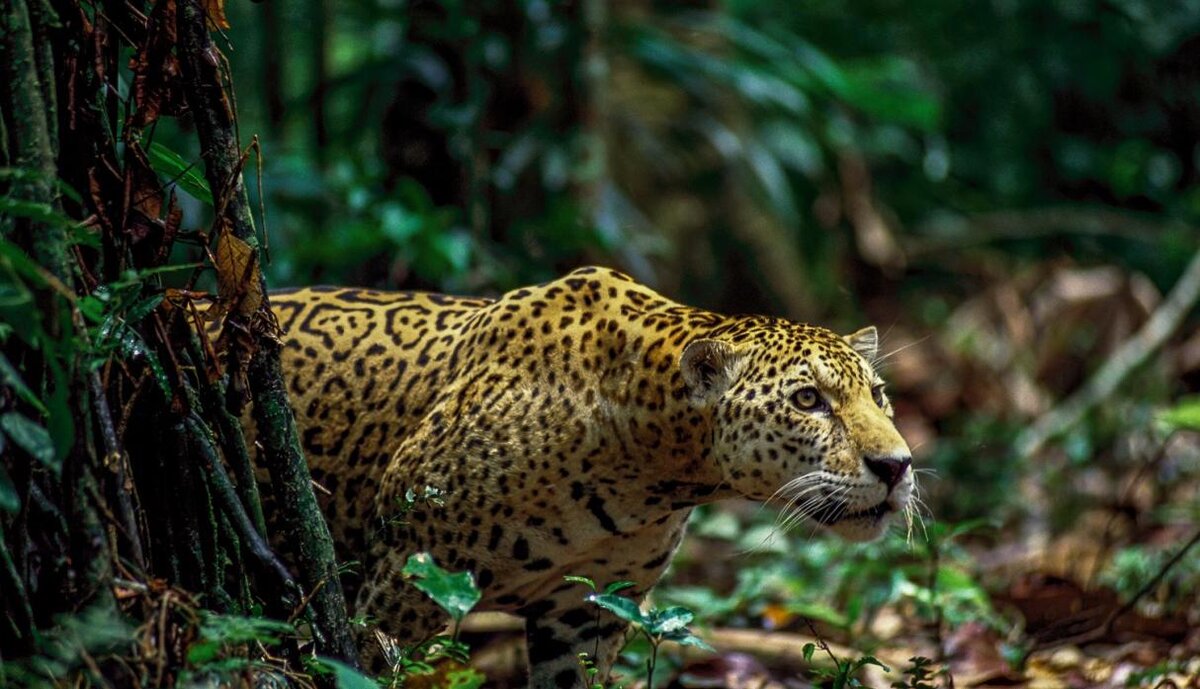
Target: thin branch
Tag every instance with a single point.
(233, 506)
(1127, 359)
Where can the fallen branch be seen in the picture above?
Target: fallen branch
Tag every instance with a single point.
(1128, 358)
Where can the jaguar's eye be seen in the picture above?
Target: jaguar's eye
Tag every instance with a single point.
(808, 399)
(877, 395)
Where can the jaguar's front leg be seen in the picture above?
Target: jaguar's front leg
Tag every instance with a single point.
(558, 634)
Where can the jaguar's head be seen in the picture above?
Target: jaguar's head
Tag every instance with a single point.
(800, 416)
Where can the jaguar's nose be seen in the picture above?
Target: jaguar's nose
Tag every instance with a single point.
(889, 469)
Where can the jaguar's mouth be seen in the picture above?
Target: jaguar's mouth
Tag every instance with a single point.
(832, 513)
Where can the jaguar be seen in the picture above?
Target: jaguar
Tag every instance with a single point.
(570, 428)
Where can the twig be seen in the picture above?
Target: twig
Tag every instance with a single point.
(233, 506)
(1102, 630)
(112, 450)
(1131, 355)
(1150, 585)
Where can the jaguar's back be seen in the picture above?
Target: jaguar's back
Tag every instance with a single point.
(362, 367)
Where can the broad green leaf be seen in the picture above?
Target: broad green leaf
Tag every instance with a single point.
(32, 438)
(668, 621)
(624, 608)
(808, 650)
(346, 677)
(187, 175)
(455, 593)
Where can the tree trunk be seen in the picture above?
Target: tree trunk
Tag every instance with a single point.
(297, 506)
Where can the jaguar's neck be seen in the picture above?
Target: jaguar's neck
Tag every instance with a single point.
(660, 429)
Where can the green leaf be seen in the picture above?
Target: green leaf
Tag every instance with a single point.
(1185, 415)
(170, 164)
(467, 678)
(686, 638)
(618, 586)
(624, 608)
(346, 677)
(38, 212)
(870, 660)
(12, 378)
(9, 500)
(580, 580)
(668, 621)
(133, 347)
(455, 593)
(819, 611)
(32, 438)
(235, 629)
(808, 650)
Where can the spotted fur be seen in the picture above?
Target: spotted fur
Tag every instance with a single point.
(570, 428)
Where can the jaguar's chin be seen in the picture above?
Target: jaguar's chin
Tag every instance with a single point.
(861, 525)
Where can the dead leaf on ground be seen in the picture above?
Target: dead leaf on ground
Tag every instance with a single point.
(975, 658)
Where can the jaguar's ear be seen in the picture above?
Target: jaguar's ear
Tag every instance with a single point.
(865, 342)
(708, 367)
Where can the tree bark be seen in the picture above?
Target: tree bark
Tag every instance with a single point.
(297, 506)
(31, 143)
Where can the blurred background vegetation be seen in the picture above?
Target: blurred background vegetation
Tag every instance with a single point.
(1005, 188)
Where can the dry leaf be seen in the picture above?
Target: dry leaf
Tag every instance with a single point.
(215, 11)
(239, 283)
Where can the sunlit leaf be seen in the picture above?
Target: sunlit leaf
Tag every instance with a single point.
(580, 580)
(455, 593)
(624, 608)
(668, 621)
(1185, 415)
